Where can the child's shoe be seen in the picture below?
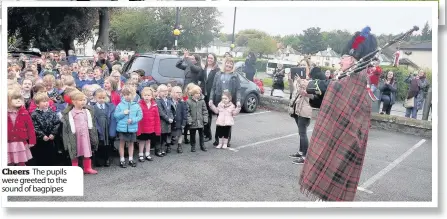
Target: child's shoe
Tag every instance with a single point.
(220, 143)
(193, 148)
(123, 164)
(224, 143)
(148, 158)
(179, 149)
(132, 163)
(74, 162)
(168, 148)
(141, 159)
(88, 166)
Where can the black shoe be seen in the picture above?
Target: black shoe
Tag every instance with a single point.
(296, 155)
(186, 141)
(107, 163)
(228, 145)
(216, 142)
(203, 148)
(164, 153)
(159, 154)
(193, 148)
(98, 164)
(168, 149)
(123, 164)
(179, 149)
(207, 139)
(381, 113)
(299, 161)
(141, 159)
(148, 158)
(132, 163)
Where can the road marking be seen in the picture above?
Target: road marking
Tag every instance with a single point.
(252, 114)
(388, 168)
(265, 141)
(364, 190)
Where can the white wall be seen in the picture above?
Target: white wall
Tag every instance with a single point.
(421, 58)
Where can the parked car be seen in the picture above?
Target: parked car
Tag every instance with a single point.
(161, 67)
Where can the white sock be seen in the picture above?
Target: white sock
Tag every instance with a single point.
(130, 158)
(140, 154)
(147, 154)
(122, 159)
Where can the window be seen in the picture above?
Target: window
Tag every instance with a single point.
(272, 65)
(327, 58)
(167, 68)
(144, 63)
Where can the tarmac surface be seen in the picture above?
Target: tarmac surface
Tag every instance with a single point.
(397, 167)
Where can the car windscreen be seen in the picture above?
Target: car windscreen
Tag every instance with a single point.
(166, 68)
(272, 65)
(142, 62)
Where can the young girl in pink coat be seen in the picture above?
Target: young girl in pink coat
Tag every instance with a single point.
(225, 119)
(21, 134)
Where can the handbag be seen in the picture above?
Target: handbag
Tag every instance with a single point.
(292, 106)
(409, 103)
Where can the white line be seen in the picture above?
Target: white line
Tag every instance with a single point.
(364, 190)
(388, 168)
(265, 141)
(252, 114)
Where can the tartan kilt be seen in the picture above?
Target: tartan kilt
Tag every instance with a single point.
(334, 160)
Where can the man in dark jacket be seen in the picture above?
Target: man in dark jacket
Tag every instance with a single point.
(103, 63)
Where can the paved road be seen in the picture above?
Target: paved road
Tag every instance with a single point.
(258, 169)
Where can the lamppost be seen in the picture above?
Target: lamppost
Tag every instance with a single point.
(234, 25)
(176, 31)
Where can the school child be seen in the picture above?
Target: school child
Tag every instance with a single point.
(49, 82)
(27, 85)
(106, 126)
(225, 119)
(98, 76)
(79, 133)
(166, 118)
(90, 75)
(180, 111)
(81, 80)
(197, 117)
(37, 89)
(185, 98)
(88, 94)
(127, 115)
(21, 134)
(110, 86)
(149, 127)
(46, 125)
(137, 97)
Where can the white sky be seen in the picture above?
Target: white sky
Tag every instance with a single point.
(286, 21)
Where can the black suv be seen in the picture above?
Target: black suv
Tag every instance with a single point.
(161, 67)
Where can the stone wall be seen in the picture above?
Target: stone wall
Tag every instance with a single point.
(400, 124)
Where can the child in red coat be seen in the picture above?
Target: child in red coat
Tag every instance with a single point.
(111, 87)
(39, 88)
(149, 126)
(21, 134)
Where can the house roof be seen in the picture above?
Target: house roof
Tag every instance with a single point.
(327, 53)
(405, 61)
(427, 46)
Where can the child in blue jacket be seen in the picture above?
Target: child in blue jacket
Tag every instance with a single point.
(127, 115)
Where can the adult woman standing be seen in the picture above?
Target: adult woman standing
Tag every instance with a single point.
(388, 88)
(227, 80)
(250, 63)
(191, 64)
(114, 58)
(208, 74)
(302, 113)
(418, 84)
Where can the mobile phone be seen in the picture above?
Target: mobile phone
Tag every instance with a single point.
(298, 71)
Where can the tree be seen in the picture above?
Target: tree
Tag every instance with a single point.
(291, 40)
(151, 28)
(265, 45)
(312, 41)
(51, 28)
(426, 32)
(244, 36)
(104, 26)
(336, 39)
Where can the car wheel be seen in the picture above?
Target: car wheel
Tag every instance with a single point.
(251, 103)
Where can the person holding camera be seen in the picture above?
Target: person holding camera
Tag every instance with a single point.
(418, 85)
(191, 64)
(301, 111)
(278, 79)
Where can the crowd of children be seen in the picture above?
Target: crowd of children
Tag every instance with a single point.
(75, 113)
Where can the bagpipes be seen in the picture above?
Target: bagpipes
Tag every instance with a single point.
(318, 86)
